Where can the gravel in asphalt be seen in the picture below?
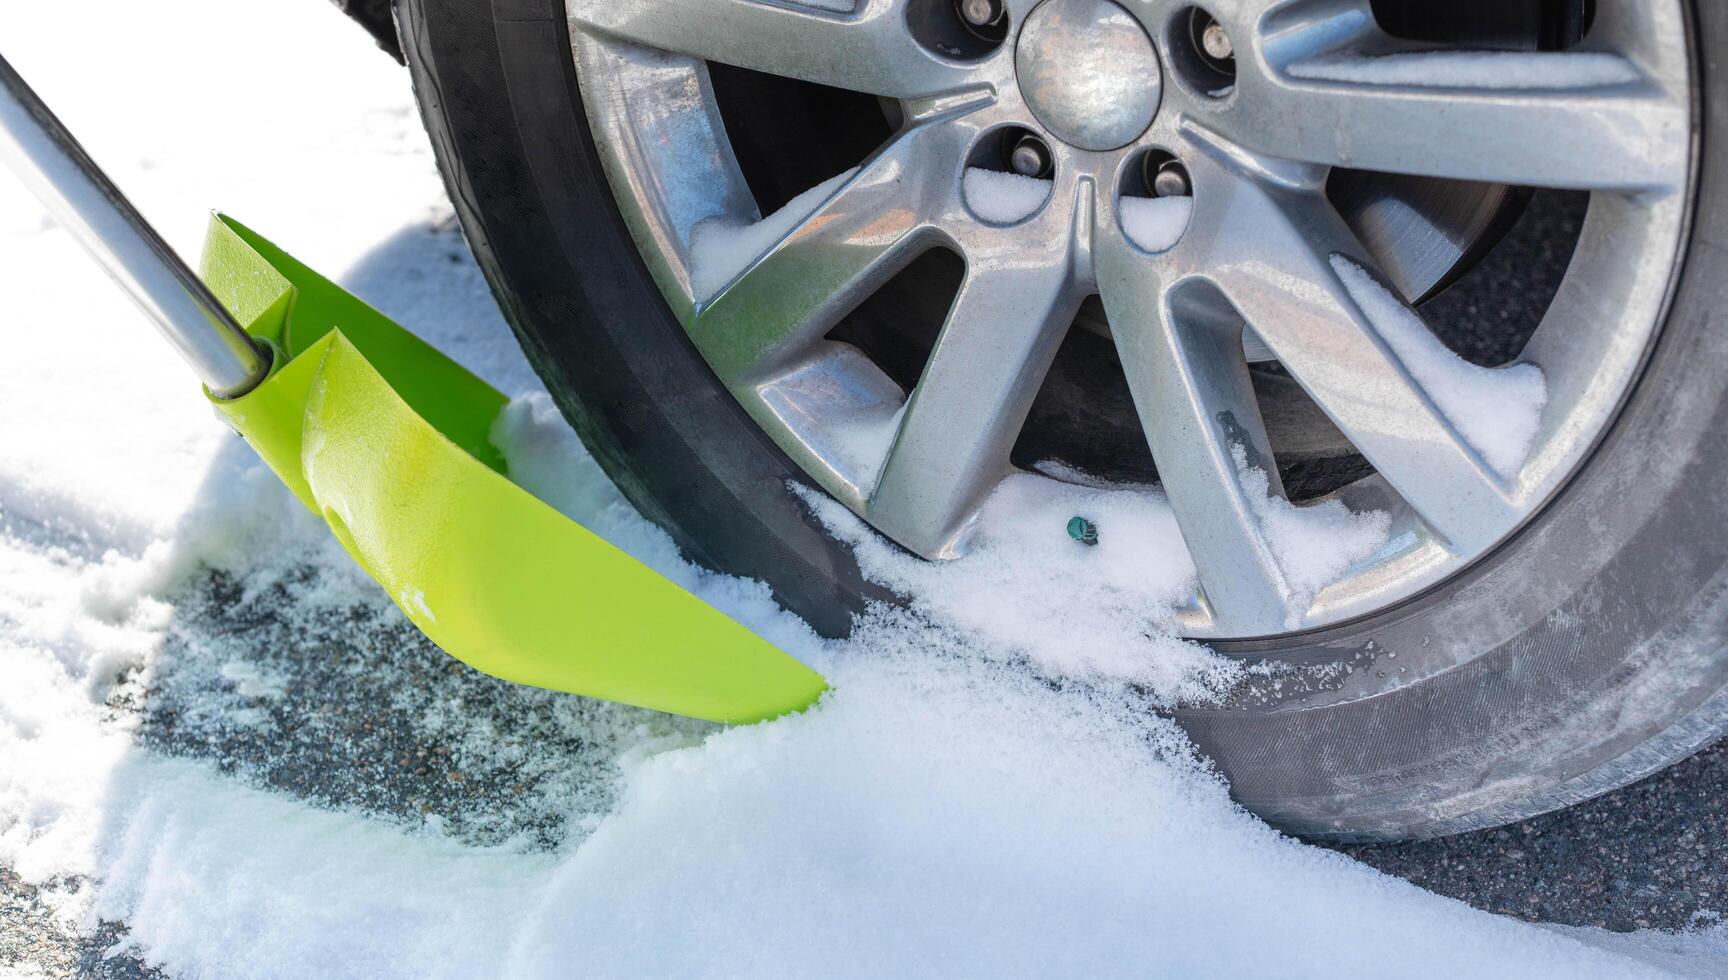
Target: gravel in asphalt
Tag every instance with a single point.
(1647, 856)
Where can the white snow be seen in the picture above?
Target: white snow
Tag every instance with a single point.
(1025, 588)
(1496, 410)
(1313, 544)
(721, 248)
(1473, 69)
(862, 441)
(216, 879)
(252, 681)
(945, 811)
(1004, 198)
(1154, 223)
(1699, 951)
(1107, 611)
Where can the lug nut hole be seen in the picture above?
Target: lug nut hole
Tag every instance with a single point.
(988, 19)
(961, 29)
(1203, 52)
(1008, 176)
(1154, 201)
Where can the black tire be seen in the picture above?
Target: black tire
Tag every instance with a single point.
(1584, 653)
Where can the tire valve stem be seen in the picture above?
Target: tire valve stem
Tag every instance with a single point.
(1083, 530)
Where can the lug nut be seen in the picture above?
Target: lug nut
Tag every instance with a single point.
(1030, 157)
(1216, 42)
(1165, 176)
(1170, 180)
(980, 13)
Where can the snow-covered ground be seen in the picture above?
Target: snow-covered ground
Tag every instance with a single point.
(944, 811)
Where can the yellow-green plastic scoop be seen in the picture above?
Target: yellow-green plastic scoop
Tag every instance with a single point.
(387, 440)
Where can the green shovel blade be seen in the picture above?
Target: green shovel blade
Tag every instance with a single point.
(387, 440)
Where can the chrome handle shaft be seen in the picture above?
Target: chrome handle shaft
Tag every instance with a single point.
(85, 202)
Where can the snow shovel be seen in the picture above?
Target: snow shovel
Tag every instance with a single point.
(387, 440)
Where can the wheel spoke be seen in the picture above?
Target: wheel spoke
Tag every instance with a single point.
(1275, 269)
(1592, 123)
(964, 415)
(830, 259)
(1184, 363)
(868, 51)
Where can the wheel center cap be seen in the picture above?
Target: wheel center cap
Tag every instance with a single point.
(1089, 72)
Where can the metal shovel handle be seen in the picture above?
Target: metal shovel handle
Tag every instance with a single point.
(85, 202)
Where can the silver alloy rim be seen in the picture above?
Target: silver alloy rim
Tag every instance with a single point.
(1612, 116)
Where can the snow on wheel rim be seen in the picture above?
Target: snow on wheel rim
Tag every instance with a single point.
(1251, 254)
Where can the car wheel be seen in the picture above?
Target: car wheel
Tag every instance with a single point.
(1450, 263)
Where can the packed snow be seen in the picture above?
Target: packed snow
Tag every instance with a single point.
(1496, 410)
(721, 248)
(1155, 223)
(1025, 588)
(862, 441)
(1472, 69)
(1004, 198)
(1314, 545)
(948, 809)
